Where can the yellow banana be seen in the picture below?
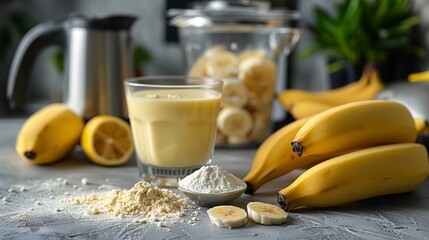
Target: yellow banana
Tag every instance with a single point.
(304, 109)
(419, 77)
(307, 108)
(49, 134)
(355, 126)
(371, 89)
(364, 89)
(274, 158)
(288, 97)
(422, 125)
(371, 172)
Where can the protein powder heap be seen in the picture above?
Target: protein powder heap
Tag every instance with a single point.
(211, 179)
(150, 202)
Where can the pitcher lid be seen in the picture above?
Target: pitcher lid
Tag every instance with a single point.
(232, 11)
(112, 22)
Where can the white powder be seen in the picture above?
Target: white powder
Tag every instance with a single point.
(211, 179)
(143, 199)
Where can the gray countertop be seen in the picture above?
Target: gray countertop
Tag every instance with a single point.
(36, 213)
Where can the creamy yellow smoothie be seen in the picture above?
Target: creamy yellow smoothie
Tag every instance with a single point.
(174, 128)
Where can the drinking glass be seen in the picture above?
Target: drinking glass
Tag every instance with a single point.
(173, 121)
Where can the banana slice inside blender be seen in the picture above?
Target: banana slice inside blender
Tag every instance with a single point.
(252, 53)
(261, 125)
(199, 68)
(266, 214)
(222, 64)
(227, 216)
(234, 121)
(234, 93)
(213, 50)
(258, 74)
(238, 140)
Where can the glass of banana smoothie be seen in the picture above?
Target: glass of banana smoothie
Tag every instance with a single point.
(173, 121)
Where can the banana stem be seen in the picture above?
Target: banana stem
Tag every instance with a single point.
(281, 200)
(297, 148)
(30, 155)
(249, 189)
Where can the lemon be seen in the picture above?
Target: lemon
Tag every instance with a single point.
(107, 140)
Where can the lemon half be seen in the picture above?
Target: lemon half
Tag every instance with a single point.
(107, 140)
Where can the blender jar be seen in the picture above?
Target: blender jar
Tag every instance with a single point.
(241, 43)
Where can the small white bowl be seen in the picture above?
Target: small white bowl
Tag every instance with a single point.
(212, 199)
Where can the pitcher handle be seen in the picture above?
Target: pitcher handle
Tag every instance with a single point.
(283, 40)
(33, 42)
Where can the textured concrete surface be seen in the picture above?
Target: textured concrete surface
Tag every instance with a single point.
(35, 212)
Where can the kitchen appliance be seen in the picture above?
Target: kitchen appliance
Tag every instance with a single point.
(97, 58)
(415, 96)
(239, 29)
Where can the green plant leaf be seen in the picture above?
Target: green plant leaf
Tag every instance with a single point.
(393, 43)
(351, 13)
(335, 66)
(349, 18)
(141, 56)
(309, 51)
(418, 51)
(402, 28)
(363, 31)
(325, 22)
(380, 9)
(58, 60)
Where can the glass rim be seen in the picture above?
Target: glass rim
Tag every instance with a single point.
(144, 81)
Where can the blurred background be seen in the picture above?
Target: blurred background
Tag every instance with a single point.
(158, 47)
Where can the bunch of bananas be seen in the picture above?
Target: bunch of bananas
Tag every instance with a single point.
(358, 150)
(300, 103)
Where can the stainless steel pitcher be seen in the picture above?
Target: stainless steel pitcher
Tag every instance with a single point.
(97, 60)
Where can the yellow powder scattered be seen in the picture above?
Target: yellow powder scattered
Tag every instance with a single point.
(20, 216)
(145, 200)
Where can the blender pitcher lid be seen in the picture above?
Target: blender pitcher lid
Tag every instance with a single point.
(232, 11)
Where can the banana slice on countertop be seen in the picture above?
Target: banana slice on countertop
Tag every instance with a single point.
(266, 214)
(221, 64)
(227, 216)
(234, 93)
(258, 74)
(249, 53)
(234, 121)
